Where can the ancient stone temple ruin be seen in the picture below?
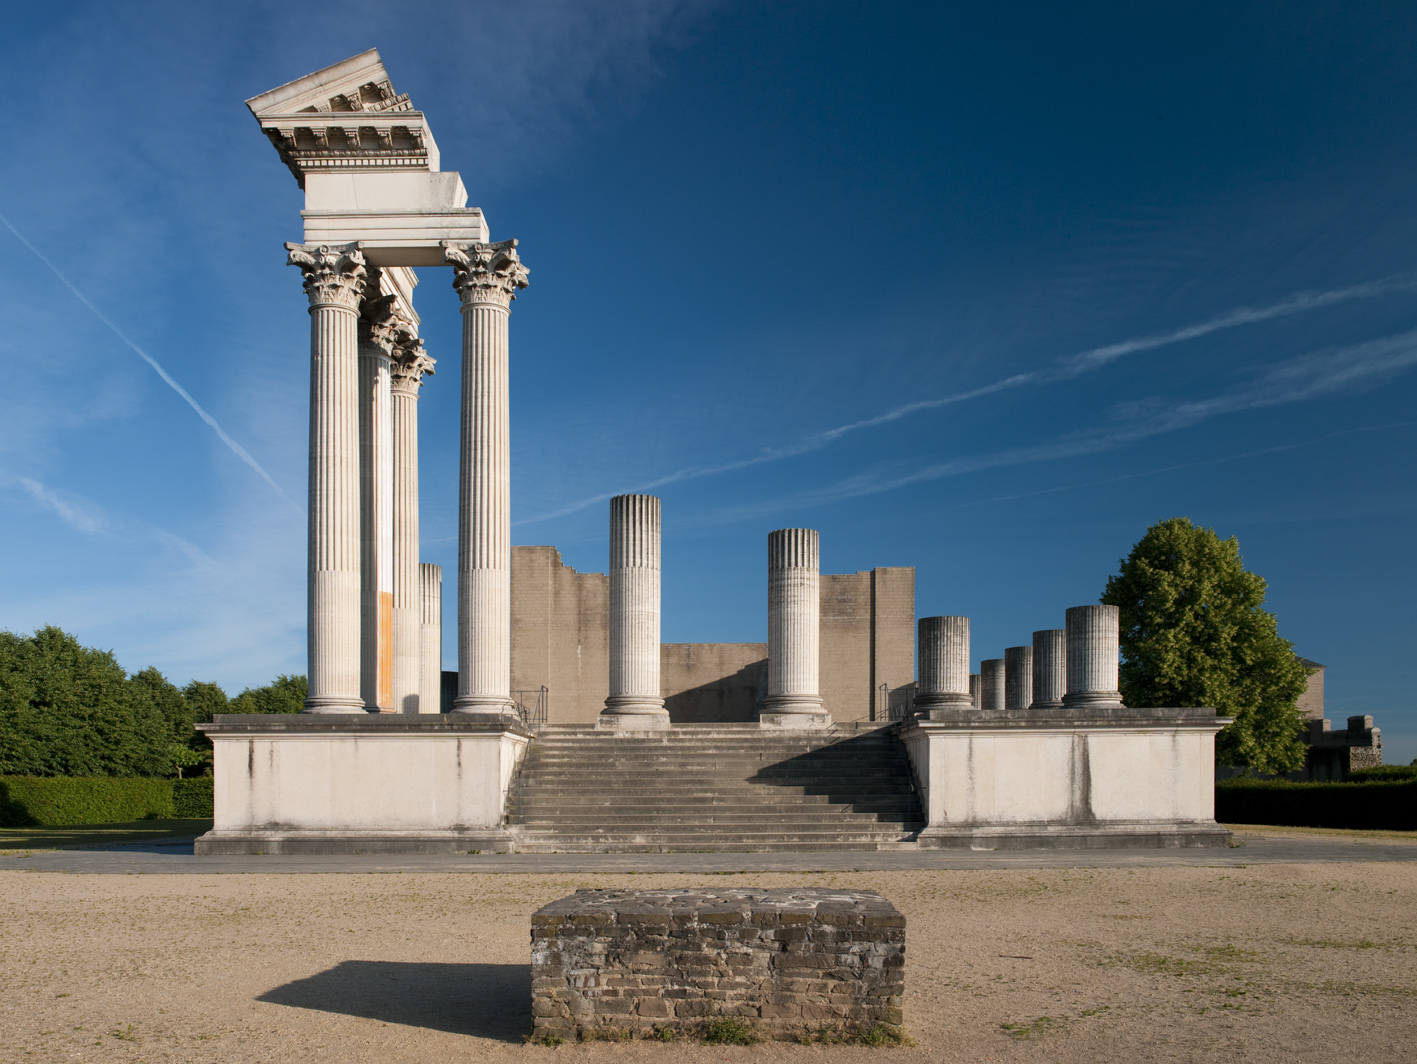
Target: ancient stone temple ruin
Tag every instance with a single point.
(571, 726)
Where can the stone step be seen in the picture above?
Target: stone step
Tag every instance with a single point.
(663, 828)
(731, 760)
(827, 841)
(713, 785)
(551, 805)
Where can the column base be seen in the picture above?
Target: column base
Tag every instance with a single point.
(1099, 700)
(343, 707)
(796, 720)
(486, 706)
(622, 720)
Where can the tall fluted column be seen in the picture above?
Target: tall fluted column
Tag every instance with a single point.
(1018, 677)
(334, 281)
(379, 327)
(974, 692)
(991, 685)
(430, 638)
(410, 363)
(794, 612)
(944, 664)
(486, 277)
(1093, 634)
(1050, 668)
(635, 701)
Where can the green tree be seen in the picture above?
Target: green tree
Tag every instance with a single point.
(68, 710)
(1194, 633)
(284, 694)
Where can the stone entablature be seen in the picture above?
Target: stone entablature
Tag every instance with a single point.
(790, 961)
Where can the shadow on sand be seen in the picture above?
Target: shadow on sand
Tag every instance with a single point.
(485, 1000)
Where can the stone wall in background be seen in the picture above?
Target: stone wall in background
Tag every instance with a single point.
(560, 638)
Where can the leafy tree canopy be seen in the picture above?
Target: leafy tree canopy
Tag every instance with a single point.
(1194, 633)
(68, 710)
(284, 694)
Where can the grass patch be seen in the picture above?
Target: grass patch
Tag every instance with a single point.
(878, 1034)
(1035, 1028)
(1323, 833)
(18, 840)
(727, 1031)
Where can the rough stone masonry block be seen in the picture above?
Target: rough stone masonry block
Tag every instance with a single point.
(790, 961)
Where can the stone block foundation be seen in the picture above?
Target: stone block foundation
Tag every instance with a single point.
(789, 962)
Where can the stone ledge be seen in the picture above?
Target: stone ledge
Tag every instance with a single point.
(223, 724)
(348, 842)
(1098, 837)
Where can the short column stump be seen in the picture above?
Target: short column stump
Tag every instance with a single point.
(791, 963)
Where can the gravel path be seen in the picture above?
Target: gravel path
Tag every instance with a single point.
(1296, 962)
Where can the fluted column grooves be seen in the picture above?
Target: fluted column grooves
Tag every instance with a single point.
(634, 606)
(430, 638)
(485, 276)
(1093, 636)
(376, 462)
(974, 689)
(1050, 668)
(794, 610)
(1018, 678)
(407, 656)
(991, 685)
(944, 663)
(334, 282)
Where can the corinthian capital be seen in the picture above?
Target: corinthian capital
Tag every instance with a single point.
(486, 273)
(410, 364)
(333, 275)
(382, 329)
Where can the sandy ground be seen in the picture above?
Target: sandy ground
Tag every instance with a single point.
(1282, 962)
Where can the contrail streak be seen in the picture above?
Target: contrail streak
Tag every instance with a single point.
(236, 448)
(1063, 369)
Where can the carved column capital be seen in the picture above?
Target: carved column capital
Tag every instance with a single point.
(486, 273)
(410, 364)
(334, 276)
(382, 329)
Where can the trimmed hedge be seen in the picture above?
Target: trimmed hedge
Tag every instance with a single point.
(60, 801)
(192, 799)
(1383, 772)
(1380, 805)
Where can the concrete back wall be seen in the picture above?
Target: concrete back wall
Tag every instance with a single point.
(560, 638)
(868, 638)
(560, 634)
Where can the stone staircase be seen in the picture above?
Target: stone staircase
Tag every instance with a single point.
(713, 788)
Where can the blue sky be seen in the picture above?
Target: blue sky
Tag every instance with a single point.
(983, 289)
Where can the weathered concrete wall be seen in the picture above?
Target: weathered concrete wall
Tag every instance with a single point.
(1045, 780)
(1311, 702)
(868, 638)
(788, 961)
(561, 638)
(371, 783)
(712, 682)
(560, 634)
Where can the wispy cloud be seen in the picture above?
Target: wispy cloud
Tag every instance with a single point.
(167, 378)
(1067, 368)
(84, 516)
(1058, 489)
(1294, 380)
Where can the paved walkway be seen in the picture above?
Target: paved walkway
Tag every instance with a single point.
(175, 856)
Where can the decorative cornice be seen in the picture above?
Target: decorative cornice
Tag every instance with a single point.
(486, 273)
(410, 365)
(323, 141)
(333, 275)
